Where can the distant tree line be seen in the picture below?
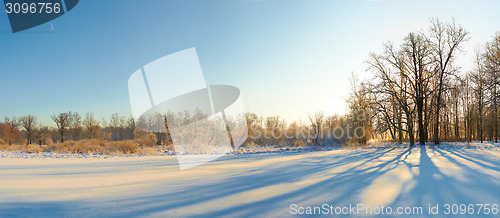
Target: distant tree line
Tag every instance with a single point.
(69, 126)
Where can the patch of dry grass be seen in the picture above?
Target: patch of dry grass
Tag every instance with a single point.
(144, 146)
(6, 147)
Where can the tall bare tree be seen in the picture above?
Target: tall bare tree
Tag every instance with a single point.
(478, 79)
(418, 61)
(392, 89)
(445, 41)
(491, 58)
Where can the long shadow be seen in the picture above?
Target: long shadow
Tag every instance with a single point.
(41, 209)
(434, 187)
(200, 191)
(348, 183)
(429, 186)
(473, 179)
(264, 177)
(425, 191)
(462, 155)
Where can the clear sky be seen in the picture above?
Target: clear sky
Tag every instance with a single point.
(288, 58)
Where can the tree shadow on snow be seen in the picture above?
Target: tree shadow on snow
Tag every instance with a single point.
(345, 185)
(438, 176)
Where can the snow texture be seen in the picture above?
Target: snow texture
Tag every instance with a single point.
(249, 182)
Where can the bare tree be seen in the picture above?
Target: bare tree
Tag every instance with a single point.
(359, 102)
(130, 127)
(478, 79)
(156, 123)
(255, 130)
(418, 60)
(12, 125)
(393, 93)
(116, 126)
(28, 122)
(42, 135)
(75, 125)
(465, 83)
(491, 58)
(316, 126)
(275, 129)
(62, 121)
(91, 125)
(445, 41)
(420, 80)
(456, 92)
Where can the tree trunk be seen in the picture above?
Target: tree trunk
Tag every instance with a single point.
(411, 135)
(495, 112)
(421, 134)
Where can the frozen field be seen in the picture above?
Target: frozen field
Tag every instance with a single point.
(265, 184)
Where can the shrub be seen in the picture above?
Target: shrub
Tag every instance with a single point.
(34, 149)
(250, 144)
(298, 143)
(147, 150)
(125, 146)
(147, 140)
(13, 147)
(89, 146)
(61, 147)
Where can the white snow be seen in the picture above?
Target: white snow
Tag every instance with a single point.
(253, 183)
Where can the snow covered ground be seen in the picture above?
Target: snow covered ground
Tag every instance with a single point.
(277, 184)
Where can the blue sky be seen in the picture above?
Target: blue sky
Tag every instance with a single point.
(288, 58)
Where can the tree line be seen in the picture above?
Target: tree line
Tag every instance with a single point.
(274, 130)
(69, 126)
(418, 92)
